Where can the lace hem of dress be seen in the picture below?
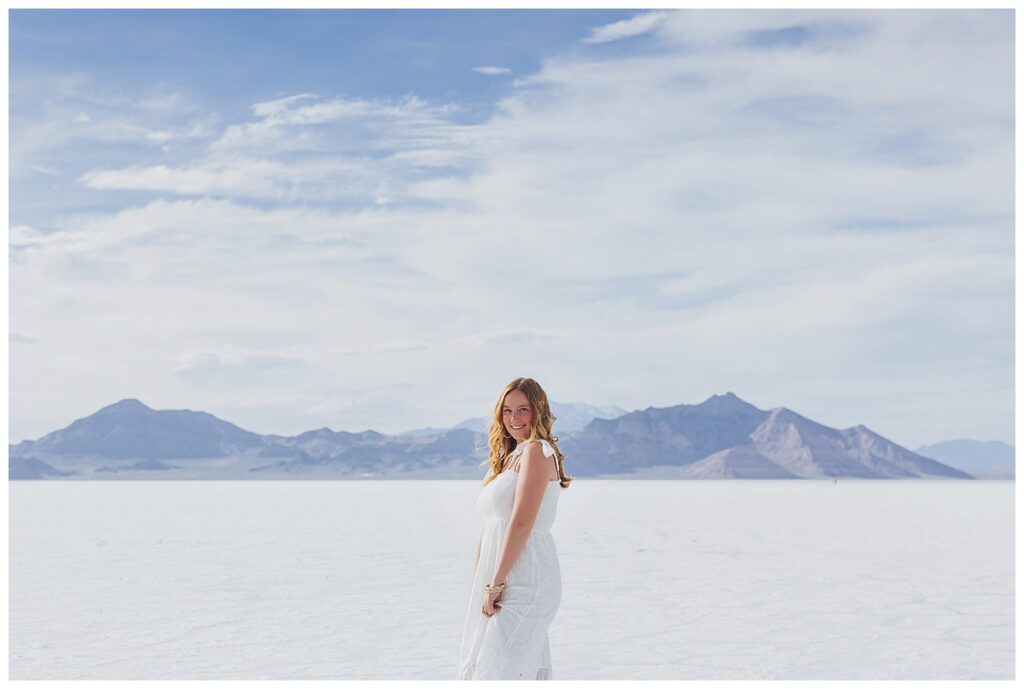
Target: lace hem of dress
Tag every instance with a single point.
(470, 669)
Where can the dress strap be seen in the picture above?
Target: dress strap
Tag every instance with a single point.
(545, 446)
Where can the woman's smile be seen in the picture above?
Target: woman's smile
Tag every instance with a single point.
(517, 413)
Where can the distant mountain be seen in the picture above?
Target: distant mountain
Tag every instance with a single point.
(131, 430)
(723, 437)
(30, 468)
(319, 444)
(741, 461)
(569, 417)
(371, 454)
(130, 440)
(574, 416)
(427, 430)
(672, 435)
(981, 458)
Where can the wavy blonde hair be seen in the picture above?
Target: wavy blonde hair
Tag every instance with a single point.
(501, 443)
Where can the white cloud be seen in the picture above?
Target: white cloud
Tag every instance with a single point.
(45, 170)
(273, 107)
(232, 365)
(242, 177)
(21, 338)
(52, 113)
(287, 128)
(380, 347)
(634, 26)
(492, 70)
(328, 150)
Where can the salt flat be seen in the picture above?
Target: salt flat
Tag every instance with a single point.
(369, 579)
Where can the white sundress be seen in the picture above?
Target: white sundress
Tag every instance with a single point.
(513, 642)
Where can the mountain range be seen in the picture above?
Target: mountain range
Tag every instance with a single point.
(722, 437)
(982, 459)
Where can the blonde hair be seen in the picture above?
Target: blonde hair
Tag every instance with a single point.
(501, 443)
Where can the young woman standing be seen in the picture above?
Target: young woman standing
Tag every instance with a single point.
(517, 585)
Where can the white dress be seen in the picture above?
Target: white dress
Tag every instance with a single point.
(513, 642)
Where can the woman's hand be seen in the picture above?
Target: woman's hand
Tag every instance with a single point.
(491, 603)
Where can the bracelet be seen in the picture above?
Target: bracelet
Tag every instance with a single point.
(495, 589)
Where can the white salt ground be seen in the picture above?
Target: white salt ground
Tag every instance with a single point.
(368, 579)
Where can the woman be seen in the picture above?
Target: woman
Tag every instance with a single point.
(517, 585)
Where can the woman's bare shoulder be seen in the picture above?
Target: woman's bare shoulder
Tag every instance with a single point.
(546, 453)
(545, 446)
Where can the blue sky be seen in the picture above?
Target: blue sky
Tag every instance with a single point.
(227, 56)
(373, 219)
(226, 60)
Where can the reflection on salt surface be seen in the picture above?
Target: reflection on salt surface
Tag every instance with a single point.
(367, 580)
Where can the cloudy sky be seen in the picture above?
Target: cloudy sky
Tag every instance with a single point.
(374, 219)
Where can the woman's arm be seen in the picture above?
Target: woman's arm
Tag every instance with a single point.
(530, 488)
(478, 545)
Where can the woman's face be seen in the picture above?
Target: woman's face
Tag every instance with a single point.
(517, 415)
